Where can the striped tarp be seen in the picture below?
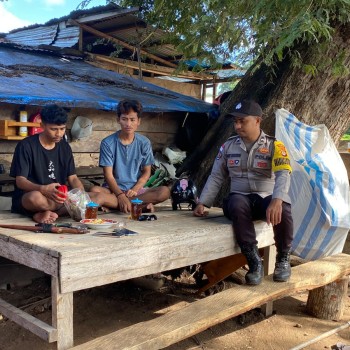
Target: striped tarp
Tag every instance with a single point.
(319, 188)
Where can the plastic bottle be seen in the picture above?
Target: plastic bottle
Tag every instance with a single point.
(23, 118)
(136, 208)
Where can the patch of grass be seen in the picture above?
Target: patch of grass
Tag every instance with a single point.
(345, 137)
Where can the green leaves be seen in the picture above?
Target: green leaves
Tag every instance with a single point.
(246, 29)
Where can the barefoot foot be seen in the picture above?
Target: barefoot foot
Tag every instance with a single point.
(45, 217)
(105, 210)
(148, 208)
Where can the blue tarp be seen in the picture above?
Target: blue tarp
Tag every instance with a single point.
(35, 78)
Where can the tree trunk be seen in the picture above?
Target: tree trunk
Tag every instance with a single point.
(328, 302)
(320, 99)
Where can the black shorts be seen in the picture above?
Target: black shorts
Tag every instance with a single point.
(18, 208)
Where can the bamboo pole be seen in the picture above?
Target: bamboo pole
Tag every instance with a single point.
(322, 336)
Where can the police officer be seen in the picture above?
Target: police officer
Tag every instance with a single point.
(259, 169)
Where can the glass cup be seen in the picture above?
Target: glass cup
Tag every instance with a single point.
(136, 208)
(91, 210)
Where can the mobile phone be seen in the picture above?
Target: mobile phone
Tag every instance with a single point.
(124, 232)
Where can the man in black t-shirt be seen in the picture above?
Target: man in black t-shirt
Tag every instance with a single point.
(41, 163)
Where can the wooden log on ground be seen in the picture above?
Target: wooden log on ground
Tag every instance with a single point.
(328, 302)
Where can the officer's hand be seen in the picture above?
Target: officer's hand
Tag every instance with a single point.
(199, 210)
(274, 212)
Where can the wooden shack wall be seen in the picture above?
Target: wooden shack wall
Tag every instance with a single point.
(189, 89)
(160, 128)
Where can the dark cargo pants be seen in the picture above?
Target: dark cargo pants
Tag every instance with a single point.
(244, 209)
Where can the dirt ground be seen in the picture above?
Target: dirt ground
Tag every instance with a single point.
(101, 310)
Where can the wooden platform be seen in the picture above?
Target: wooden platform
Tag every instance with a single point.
(76, 262)
(173, 327)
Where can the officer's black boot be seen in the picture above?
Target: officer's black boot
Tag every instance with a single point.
(282, 267)
(256, 271)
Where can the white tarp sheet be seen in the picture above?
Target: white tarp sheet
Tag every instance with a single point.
(319, 188)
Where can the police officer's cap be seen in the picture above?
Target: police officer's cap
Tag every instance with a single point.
(246, 108)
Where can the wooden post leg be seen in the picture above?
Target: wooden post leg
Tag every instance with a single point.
(62, 315)
(328, 302)
(269, 266)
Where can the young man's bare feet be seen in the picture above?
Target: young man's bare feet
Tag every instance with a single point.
(148, 208)
(105, 210)
(45, 217)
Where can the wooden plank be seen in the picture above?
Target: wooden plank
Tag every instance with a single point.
(62, 315)
(202, 314)
(122, 43)
(147, 67)
(6, 158)
(36, 326)
(29, 240)
(14, 137)
(175, 240)
(269, 266)
(92, 143)
(86, 171)
(86, 159)
(29, 257)
(192, 240)
(108, 15)
(6, 179)
(44, 243)
(219, 269)
(107, 121)
(9, 129)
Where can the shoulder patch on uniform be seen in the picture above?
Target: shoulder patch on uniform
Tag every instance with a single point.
(280, 160)
(221, 151)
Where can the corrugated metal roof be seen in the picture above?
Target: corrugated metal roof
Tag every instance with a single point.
(116, 22)
(38, 79)
(67, 37)
(44, 35)
(111, 19)
(55, 35)
(109, 24)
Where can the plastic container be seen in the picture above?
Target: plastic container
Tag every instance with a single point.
(91, 210)
(23, 117)
(136, 208)
(35, 118)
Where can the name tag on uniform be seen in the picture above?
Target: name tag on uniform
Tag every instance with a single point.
(261, 163)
